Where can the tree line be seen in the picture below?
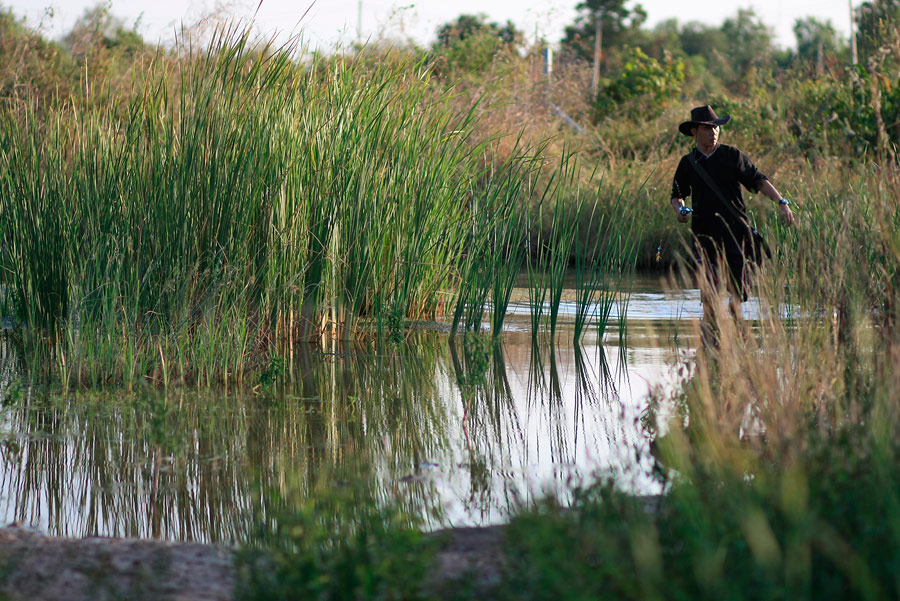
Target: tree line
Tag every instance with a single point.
(727, 54)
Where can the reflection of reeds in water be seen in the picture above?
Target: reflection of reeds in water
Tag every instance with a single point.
(585, 389)
(544, 391)
(135, 469)
(589, 389)
(185, 467)
(491, 423)
(201, 467)
(507, 437)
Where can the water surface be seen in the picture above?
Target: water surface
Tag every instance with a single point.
(462, 433)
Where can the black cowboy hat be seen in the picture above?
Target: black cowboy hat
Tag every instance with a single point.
(702, 115)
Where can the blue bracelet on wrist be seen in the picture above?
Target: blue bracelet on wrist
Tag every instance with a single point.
(783, 201)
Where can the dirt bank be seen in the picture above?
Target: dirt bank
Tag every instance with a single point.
(38, 567)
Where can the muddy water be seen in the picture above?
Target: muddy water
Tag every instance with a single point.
(462, 433)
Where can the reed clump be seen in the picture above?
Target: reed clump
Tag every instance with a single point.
(239, 200)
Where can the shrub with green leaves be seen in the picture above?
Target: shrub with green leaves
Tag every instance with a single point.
(644, 85)
(470, 43)
(343, 547)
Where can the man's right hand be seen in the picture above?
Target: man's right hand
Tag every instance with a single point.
(677, 204)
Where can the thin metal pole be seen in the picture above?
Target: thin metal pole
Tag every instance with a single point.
(359, 24)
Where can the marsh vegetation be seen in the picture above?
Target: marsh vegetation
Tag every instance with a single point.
(213, 254)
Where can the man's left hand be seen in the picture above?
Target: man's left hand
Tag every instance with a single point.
(787, 216)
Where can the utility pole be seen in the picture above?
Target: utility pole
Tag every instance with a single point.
(598, 47)
(853, 56)
(359, 25)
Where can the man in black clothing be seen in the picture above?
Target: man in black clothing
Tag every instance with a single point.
(712, 175)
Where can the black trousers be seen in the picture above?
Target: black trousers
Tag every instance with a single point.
(709, 254)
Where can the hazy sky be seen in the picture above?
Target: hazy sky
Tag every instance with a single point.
(327, 22)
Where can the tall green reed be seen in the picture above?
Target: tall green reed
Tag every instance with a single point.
(495, 243)
(537, 274)
(547, 277)
(508, 246)
(614, 269)
(238, 200)
(603, 268)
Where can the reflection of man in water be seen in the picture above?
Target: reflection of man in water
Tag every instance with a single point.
(712, 175)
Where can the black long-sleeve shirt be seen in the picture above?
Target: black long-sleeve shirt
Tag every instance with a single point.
(728, 168)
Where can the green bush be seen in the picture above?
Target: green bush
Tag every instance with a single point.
(342, 547)
(645, 85)
(471, 43)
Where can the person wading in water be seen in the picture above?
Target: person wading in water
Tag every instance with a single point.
(712, 175)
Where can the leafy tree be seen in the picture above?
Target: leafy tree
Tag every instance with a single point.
(707, 47)
(643, 78)
(98, 28)
(663, 39)
(617, 21)
(816, 40)
(876, 23)
(699, 39)
(30, 66)
(748, 41)
(471, 43)
(468, 26)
